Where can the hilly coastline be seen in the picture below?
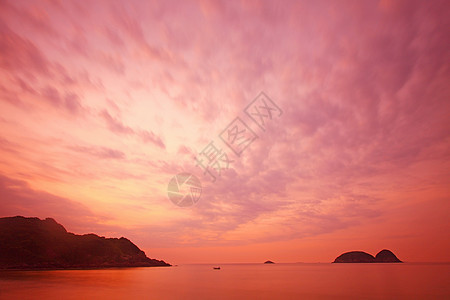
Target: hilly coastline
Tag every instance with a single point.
(32, 243)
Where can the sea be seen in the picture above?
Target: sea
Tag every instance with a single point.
(235, 281)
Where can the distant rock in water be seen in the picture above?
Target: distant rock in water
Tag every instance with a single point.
(355, 257)
(31, 243)
(269, 262)
(384, 256)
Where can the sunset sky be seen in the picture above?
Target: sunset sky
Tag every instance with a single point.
(103, 102)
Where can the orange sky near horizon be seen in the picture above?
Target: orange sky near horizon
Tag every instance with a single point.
(103, 102)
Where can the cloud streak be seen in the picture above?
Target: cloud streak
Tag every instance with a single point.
(118, 127)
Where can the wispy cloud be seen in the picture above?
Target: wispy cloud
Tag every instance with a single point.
(118, 127)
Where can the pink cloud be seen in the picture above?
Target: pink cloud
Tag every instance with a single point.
(115, 125)
(19, 54)
(362, 86)
(118, 127)
(100, 152)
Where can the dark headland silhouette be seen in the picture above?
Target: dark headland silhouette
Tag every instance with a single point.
(384, 256)
(32, 243)
(269, 262)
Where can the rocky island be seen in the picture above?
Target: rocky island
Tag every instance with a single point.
(32, 243)
(269, 262)
(384, 256)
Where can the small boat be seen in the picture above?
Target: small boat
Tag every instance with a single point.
(216, 268)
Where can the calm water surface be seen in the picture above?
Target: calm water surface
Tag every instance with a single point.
(235, 281)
